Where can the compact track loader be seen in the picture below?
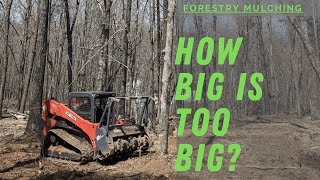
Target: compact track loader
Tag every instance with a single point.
(94, 126)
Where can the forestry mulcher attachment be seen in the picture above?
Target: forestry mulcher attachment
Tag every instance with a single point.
(92, 126)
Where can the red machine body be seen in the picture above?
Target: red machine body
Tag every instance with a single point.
(91, 127)
(61, 110)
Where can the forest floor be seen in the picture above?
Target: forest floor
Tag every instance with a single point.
(273, 147)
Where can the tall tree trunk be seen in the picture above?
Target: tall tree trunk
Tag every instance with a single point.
(34, 121)
(69, 27)
(265, 65)
(84, 52)
(315, 62)
(294, 63)
(151, 36)
(126, 54)
(5, 62)
(274, 88)
(103, 64)
(152, 60)
(165, 16)
(108, 70)
(308, 46)
(159, 51)
(165, 97)
(24, 48)
(30, 67)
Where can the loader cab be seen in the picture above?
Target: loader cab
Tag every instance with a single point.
(90, 105)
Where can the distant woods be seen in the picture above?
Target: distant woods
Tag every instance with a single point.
(285, 49)
(91, 45)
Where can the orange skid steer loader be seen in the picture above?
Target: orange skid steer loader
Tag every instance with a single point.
(92, 127)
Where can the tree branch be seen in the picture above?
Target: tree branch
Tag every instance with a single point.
(75, 16)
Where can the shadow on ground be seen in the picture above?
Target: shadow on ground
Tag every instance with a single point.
(20, 164)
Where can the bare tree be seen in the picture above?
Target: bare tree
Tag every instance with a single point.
(125, 52)
(307, 44)
(312, 55)
(295, 69)
(27, 79)
(152, 59)
(24, 47)
(70, 28)
(164, 100)
(34, 120)
(5, 65)
(159, 51)
(103, 68)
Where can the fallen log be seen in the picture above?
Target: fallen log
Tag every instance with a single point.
(6, 115)
(18, 115)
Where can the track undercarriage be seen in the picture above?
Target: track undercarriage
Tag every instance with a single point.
(63, 145)
(60, 144)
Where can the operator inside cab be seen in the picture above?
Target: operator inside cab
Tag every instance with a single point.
(74, 103)
(119, 119)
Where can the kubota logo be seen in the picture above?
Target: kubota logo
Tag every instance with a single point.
(71, 116)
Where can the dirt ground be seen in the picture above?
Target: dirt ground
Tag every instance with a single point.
(19, 159)
(273, 147)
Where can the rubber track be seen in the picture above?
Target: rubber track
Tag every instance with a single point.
(84, 147)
